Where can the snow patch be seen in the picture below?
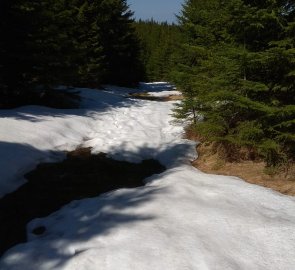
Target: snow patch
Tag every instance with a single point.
(182, 218)
(156, 86)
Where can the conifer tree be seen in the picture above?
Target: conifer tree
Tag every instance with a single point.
(236, 71)
(121, 45)
(36, 46)
(108, 43)
(81, 42)
(158, 45)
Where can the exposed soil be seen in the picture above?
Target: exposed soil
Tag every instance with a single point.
(146, 96)
(53, 185)
(254, 172)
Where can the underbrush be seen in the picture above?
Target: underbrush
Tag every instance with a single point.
(147, 96)
(246, 163)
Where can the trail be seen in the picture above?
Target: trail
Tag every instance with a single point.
(181, 219)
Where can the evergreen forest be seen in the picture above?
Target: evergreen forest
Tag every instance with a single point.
(236, 68)
(47, 43)
(158, 43)
(234, 62)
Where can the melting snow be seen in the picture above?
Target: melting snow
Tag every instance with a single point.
(182, 219)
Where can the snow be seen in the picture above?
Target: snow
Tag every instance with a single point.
(156, 86)
(182, 218)
(107, 121)
(165, 93)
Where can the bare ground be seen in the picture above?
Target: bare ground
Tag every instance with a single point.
(251, 171)
(146, 96)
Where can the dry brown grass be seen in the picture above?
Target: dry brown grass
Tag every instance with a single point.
(146, 96)
(212, 160)
(174, 97)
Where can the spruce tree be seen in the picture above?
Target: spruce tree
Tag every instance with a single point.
(36, 46)
(81, 42)
(108, 44)
(236, 71)
(121, 45)
(158, 45)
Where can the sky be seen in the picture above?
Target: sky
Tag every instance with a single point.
(159, 10)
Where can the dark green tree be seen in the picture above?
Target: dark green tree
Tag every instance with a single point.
(109, 45)
(81, 42)
(159, 42)
(237, 72)
(36, 46)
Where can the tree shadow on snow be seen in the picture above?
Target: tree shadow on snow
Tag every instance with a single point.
(54, 239)
(82, 224)
(92, 101)
(53, 185)
(170, 154)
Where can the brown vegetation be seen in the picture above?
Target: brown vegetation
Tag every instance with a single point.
(146, 96)
(245, 164)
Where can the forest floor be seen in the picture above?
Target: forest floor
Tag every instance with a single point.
(254, 172)
(151, 96)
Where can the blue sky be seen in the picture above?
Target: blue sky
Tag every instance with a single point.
(160, 10)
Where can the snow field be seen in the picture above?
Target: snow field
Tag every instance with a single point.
(125, 129)
(182, 219)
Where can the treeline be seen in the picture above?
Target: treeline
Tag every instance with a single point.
(159, 42)
(45, 43)
(236, 69)
(234, 61)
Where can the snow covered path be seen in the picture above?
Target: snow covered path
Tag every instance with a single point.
(124, 128)
(182, 219)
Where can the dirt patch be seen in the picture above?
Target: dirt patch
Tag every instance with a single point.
(52, 185)
(146, 96)
(254, 172)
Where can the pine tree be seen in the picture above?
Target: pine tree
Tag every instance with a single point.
(14, 28)
(237, 70)
(158, 42)
(91, 58)
(81, 42)
(271, 65)
(121, 45)
(36, 46)
(109, 46)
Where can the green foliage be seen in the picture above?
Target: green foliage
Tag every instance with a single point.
(158, 45)
(46, 43)
(110, 47)
(236, 70)
(35, 44)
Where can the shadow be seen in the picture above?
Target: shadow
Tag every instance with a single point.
(170, 154)
(92, 101)
(82, 175)
(156, 86)
(17, 159)
(47, 193)
(81, 222)
(53, 185)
